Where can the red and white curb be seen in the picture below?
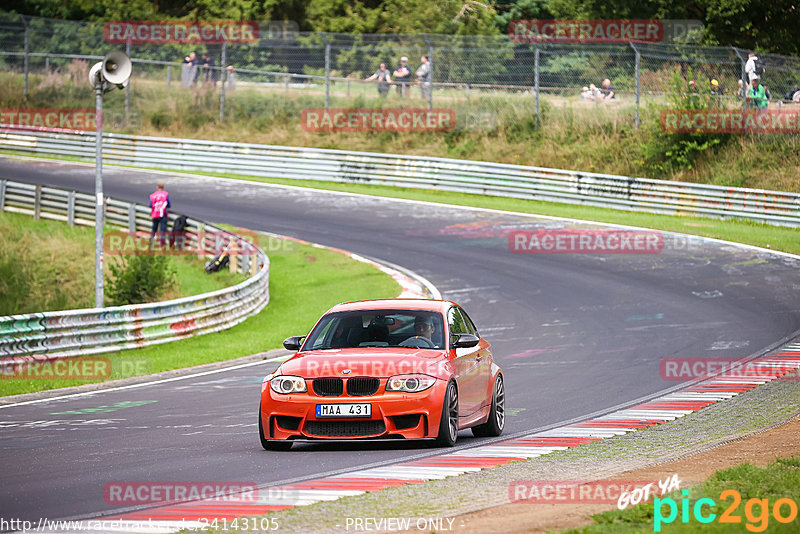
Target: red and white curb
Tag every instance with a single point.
(196, 514)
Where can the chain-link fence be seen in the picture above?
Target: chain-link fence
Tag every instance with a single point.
(483, 78)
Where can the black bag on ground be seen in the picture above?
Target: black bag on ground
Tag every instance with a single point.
(177, 238)
(219, 261)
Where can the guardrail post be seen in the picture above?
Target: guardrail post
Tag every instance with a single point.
(71, 208)
(327, 72)
(132, 217)
(223, 76)
(27, 51)
(46, 65)
(169, 74)
(536, 80)
(286, 85)
(3, 184)
(348, 89)
(37, 202)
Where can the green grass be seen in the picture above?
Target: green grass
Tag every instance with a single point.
(47, 265)
(304, 282)
(778, 480)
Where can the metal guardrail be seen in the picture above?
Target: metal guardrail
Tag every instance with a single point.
(91, 331)
(496, 179)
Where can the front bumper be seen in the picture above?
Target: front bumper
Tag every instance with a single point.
(394, 415)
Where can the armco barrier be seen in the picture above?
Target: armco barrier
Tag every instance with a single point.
(497, 179)
(91, 331)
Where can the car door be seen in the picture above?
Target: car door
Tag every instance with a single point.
(467, 366)
(483, 357)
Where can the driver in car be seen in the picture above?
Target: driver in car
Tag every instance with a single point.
(423, 332)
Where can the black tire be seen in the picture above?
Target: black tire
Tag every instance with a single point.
(270, 444)
(448, 424)
(497, 415)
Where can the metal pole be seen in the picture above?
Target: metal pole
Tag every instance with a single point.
(638, 81)
(223, 77)
(98, 192)
(536, 80)
(745, 81)
(27, 47)
(47, 65)
(169, 74)
(128, 86)
(327, 72)
(430, 66)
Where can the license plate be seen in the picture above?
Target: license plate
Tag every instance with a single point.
(344, 410)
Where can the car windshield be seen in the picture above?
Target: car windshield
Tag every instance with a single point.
(378, 328)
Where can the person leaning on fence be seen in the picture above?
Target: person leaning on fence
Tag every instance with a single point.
(189, 69)
(402, 76)
(384, 78)
(159, 204)
(424, 77)
(757, 95)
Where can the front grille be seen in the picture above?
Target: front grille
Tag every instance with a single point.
(328, 387)
(362, 386)
(345, 429)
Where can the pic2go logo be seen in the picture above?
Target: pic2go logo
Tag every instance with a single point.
(757, 521)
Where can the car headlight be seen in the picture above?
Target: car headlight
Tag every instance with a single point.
(410, 383)
(288, 384)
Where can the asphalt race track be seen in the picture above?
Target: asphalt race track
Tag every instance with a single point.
(574, 333)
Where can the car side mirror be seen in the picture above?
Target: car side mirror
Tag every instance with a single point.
(293, 343)
(465, 341)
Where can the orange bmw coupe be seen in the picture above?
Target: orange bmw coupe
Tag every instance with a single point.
(384, 369)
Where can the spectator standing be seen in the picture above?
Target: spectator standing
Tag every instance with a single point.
(159, 204)
(209, 72)
(424, 78)
(231, 77)
(402, 76)
(757, 95)
(754, 67)
(384, 78)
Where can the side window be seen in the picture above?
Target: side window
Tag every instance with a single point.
(456, 322)
(468, 322)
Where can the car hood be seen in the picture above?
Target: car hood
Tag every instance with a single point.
(381, 362)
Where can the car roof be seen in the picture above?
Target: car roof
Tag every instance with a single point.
(440, 306)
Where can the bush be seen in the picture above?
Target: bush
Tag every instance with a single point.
(666, 152)
(139, 278)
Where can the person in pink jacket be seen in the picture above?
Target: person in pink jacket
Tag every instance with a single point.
(159, 203)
